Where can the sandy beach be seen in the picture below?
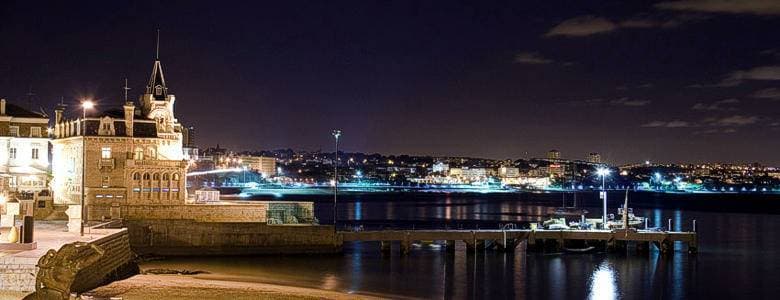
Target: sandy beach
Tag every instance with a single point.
(188, 287)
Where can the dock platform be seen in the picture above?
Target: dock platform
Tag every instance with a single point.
(538, 239)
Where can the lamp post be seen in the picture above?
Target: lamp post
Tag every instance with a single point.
(603, 172)
(86, 104)
(336, 134)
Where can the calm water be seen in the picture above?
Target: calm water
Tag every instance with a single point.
(738, 255)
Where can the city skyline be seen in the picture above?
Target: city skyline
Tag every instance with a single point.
(666, 82)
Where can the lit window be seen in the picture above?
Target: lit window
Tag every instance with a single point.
(175, 176)
(139, 154)
(136, 190)
(12, 153)
(35, 153)
(98, 196)
(158, 90)
(35, 131)
(105, 152)
(13, 130)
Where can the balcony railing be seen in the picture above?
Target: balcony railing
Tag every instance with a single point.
(106, 163)
(154, 162)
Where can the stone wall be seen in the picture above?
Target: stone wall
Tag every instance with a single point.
(188, 237)
(18, 273)
(197, 212)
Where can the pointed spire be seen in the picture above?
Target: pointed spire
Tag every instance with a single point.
(156, 86)
(157, 52)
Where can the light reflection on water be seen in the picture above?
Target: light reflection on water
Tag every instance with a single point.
(737, 259)
(602, 283)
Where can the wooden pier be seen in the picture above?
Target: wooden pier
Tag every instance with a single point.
(536, 240)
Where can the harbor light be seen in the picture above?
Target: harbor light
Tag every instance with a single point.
(603, 172)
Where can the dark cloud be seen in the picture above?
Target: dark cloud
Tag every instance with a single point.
(668, 124)
(582, 26)
(757, 73)
(721, 105)
(625, 101)
(531, 58)
(765, 73)
(731, 121)
(770, 93)
(756, 7)
(590, 24)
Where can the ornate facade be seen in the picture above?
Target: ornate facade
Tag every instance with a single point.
(133, 156)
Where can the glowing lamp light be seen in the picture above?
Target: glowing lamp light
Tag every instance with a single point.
(87, 104)
(603, 172)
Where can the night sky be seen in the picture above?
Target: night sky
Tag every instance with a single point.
(688, 81)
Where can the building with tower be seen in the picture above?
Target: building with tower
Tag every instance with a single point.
(594, 157)
(132, 156)
(553, 154)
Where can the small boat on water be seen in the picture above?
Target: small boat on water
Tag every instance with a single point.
(580, 250)
(627, 220)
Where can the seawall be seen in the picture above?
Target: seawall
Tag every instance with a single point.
(177, 237)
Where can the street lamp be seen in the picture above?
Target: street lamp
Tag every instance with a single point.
(603, 172)
(336, 134)
(85, 105)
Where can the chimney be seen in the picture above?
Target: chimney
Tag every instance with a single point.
(58, 114)
(2, 107)
(129, 115)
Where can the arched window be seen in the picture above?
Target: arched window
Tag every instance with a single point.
(146, 176)
(139, 154)
(156, 176)
(136, 176)
(175, 176)
(166, 176)
(158, 90)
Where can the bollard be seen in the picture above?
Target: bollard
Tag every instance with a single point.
(694, 225)
(670, 225)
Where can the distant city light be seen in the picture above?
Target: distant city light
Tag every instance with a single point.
(603, 171)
